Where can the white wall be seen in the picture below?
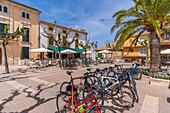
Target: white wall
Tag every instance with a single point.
(43, 40)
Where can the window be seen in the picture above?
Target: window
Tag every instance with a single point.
(5, 9)
(50, 41)
(64, 41)
(77, 34)
(0, 8)
(64, 31)
(141, 39)
(100, 55)
(28, 15)
(26, 52)
(130, 40)
(166, 36)
(23, 14)
(131, 50)
(142, 51)
(76, 43)
(26, 38)
(50, 28)
(2, 34)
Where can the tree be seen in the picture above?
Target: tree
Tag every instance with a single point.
(59, 41)
(5, 41)
(85, 47)
(146, 15)
(110, 45)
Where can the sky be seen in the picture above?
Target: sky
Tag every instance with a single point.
(82, 14)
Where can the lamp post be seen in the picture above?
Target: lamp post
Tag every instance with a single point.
(89, 43)
(55, 42)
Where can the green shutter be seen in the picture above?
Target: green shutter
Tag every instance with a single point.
(26, 38)
(50, 41)
(100, 55)
(119, 53)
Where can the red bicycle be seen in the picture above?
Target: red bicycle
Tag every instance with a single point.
(69, 103)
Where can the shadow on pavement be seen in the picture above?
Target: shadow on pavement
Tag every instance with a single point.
(36, 97)
(168, 99)
(4, 101)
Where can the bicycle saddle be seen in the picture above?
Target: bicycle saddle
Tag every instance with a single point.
(89, 69)
(117, 65)
(69, 88)
(69, 72)
(86, 73)
(137, 64)
(98, 70)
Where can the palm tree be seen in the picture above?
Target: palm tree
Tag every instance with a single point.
(147, 15)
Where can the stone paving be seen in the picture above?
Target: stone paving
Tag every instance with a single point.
(35, 90)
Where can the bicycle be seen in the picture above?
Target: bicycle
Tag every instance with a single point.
(117, 88)
(84, 86)
(71, 102)
(137, 73)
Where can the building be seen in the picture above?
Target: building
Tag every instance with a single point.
(115, 54)
(19, 15)
(46, 43)
(139, 51)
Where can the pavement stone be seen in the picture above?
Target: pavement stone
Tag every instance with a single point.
(45, 83)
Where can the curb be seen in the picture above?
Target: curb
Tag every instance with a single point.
(156, 81)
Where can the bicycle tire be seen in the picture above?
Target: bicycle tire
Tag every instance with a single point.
(118, 94)
(61, 100)
(103, 109)
(62, 88)
(99, 95)
(135, 90)
(137, 74)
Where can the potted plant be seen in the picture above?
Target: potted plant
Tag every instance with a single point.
(21, 60)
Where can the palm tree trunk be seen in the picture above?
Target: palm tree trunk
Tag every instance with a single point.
(6, 62)
(155, 63)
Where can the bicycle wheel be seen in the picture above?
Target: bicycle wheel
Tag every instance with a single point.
(63, 103)
(123, 96)
(102, 108)
(95, 80)
(137, 74)
(63, 86)
(97, 93)
(135, 90)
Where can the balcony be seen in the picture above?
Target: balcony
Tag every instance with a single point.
(4, 16)
(26, 21)
(131, 54)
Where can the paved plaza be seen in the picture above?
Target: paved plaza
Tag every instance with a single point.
(35, 90)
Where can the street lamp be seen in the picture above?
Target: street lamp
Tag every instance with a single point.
(55, 42)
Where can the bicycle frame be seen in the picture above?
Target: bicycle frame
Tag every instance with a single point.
(77, 105)
(131, 74)
(72, 97)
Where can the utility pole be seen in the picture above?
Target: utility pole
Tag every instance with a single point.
(55, 42)
(89, 43)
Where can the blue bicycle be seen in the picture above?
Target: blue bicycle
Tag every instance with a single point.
(137, 73)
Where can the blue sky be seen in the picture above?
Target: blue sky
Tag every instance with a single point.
(86, 14)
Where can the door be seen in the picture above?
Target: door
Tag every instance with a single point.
(0, 56)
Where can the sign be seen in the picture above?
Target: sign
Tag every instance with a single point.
(93, 53)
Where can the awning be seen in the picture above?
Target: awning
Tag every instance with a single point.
(78, 50)
(41, 50)
(62, 49)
